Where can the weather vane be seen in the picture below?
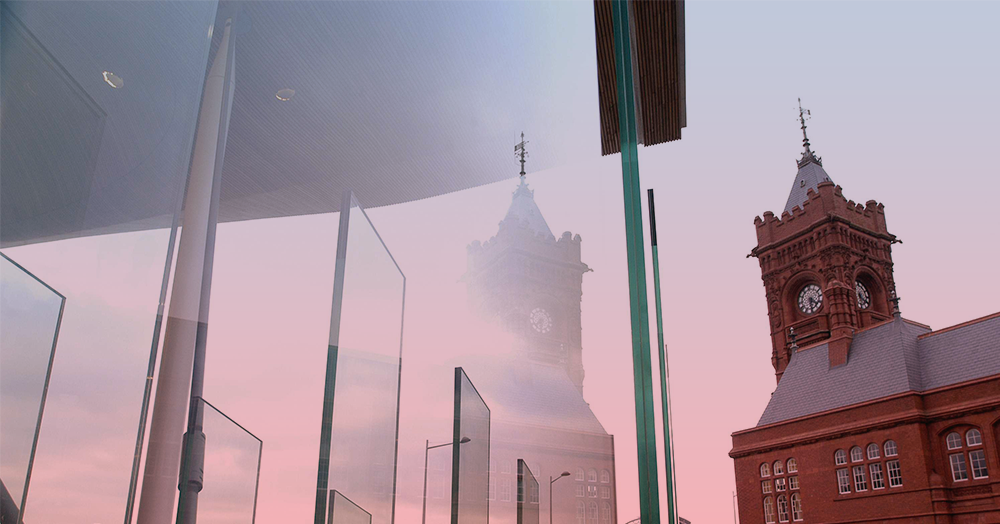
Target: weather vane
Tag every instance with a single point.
(804, 115)
(521, 152)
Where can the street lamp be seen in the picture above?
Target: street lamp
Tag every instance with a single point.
(427, 448)
(551, 482)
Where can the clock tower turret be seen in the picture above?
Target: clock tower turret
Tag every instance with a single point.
(532, 284)
(826, 263)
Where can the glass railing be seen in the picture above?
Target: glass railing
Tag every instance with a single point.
(358, 439)
(230, 466)
(31, 314)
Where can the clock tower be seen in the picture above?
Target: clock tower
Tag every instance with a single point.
(532, 284)
(826, 263)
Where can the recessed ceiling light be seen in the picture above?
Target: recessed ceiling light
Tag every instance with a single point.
(285, 94)
(113, 80)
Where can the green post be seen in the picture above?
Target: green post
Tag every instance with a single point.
(668, 441)
(649, 510)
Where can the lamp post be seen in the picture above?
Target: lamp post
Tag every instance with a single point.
(551, 482)
(427, 448)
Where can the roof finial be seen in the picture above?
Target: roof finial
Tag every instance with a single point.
(793, 346)
(807, 155)
(521, 152)
(803, 113)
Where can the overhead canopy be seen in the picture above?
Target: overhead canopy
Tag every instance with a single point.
(396, 101)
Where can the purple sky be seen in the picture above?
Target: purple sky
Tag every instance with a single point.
(898, 117)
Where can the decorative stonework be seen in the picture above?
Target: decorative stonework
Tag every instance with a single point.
(833, 242)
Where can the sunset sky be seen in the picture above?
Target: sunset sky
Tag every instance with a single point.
(904, 111)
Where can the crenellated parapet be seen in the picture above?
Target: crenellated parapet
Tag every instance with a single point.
(824, 203)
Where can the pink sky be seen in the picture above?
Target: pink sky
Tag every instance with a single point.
(886, 127)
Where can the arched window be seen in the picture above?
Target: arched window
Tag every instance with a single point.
(890, 448)
(581, 512)
(592, 476)
(765, 470)
(605, 476)
(605, 512)
(873, 451)
(856, 454)
(782, 508)
(963, 461)
(768, 510)
(579, 474)
(796, 507)
(592, 512)
(778, 468)
(840, 457)
(793, 466)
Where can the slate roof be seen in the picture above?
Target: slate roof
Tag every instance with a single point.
(523, 209)
(888, 359)
(810, 174)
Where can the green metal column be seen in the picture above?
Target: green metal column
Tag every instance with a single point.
(668, 435)
(649, 510)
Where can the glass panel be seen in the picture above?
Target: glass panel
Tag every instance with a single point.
(232, 464)
(343, 511)
(470, 460)
(30, 313)
(100, 102)
(527, 491)
(365, 353)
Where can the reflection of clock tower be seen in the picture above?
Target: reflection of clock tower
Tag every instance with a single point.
(826, 265)
(531, 283)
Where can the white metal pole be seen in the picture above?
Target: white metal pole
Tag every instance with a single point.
(167, 425)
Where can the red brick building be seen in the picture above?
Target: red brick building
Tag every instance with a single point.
(875, 418)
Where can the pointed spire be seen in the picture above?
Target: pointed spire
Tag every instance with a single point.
(811, 172)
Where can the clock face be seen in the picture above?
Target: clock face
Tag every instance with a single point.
(810, 299)
(540, 320)
(864, 297)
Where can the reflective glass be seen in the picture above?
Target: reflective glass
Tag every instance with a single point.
(30, 313)
(343, 511)
(527, 495)
(415, 107)
(232, 462)
(470, 461)
(365, 351)
(100, 102)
